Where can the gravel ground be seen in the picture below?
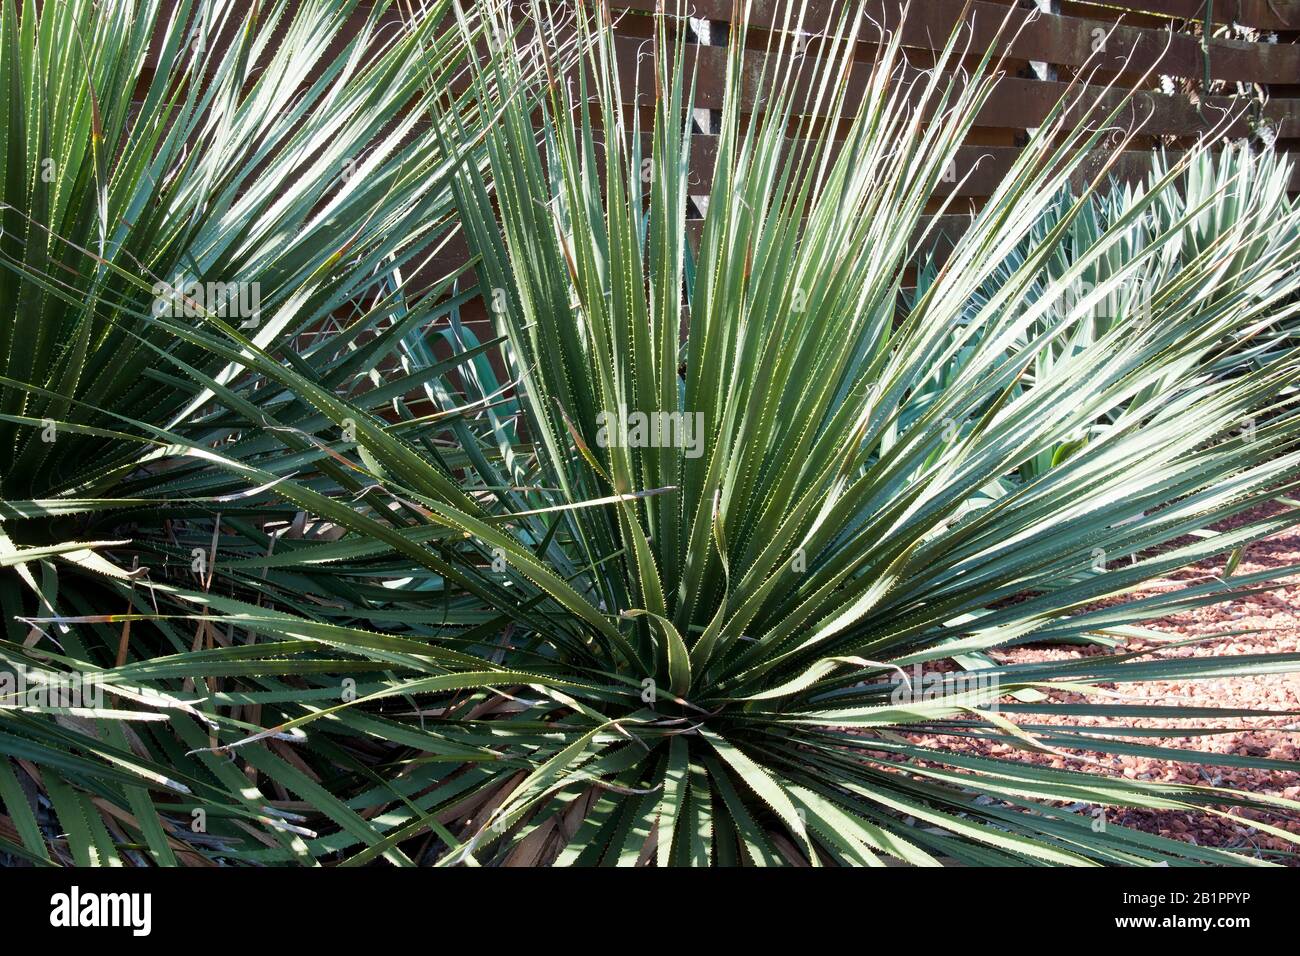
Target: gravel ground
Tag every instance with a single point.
(1274, 620)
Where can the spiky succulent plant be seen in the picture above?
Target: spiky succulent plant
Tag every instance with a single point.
(682, 562)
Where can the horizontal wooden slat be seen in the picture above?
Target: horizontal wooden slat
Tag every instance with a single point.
(977, 170)
(1016, 102)
(1261, 14)
(1063, 40)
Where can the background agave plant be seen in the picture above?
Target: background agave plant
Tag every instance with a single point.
(1225, 196)
(459, 616)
